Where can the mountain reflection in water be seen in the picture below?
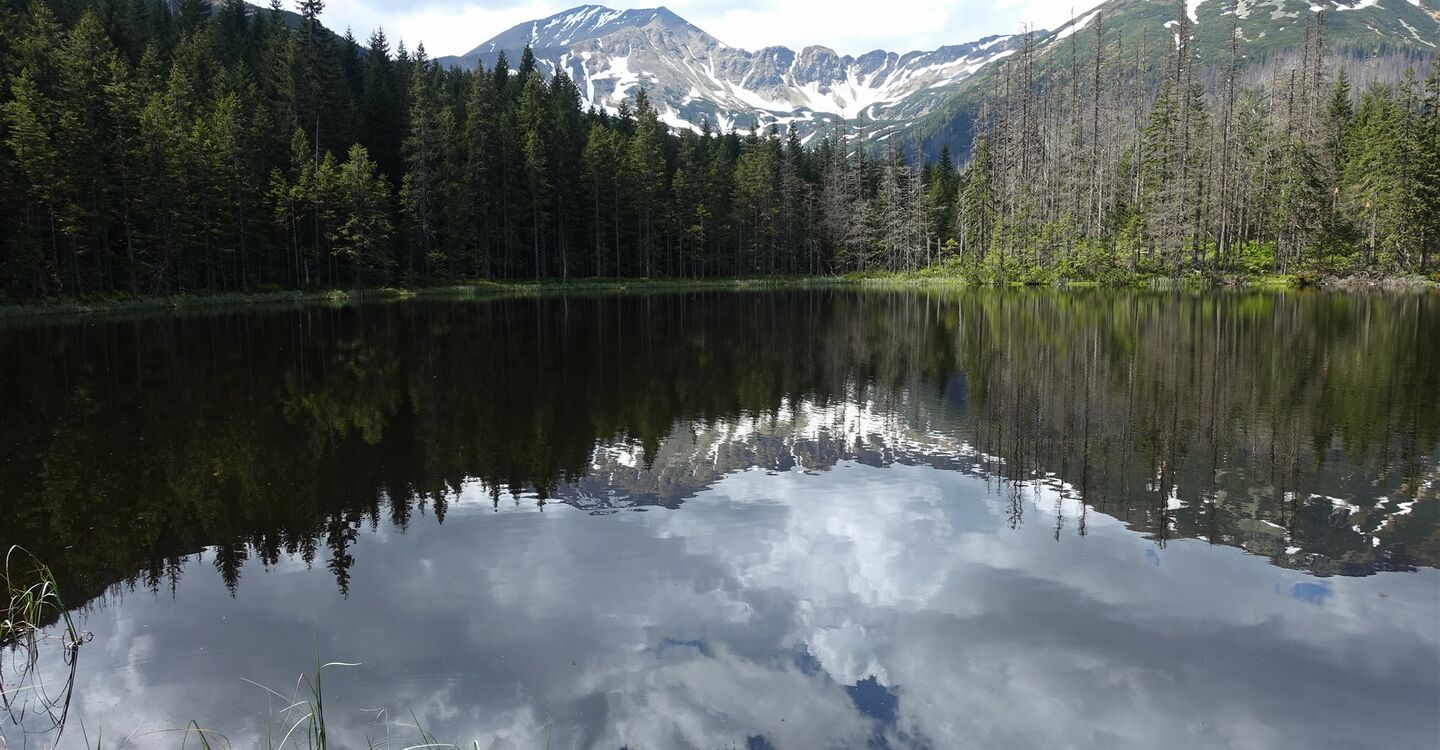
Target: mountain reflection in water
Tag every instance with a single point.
(916, 519)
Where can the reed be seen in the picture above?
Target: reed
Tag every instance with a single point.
(35, 616)
(32, 600)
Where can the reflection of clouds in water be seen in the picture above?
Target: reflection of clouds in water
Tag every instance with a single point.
(997, 617)
(704, 627)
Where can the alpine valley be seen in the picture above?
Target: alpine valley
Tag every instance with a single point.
(693, 78)
(151, 148)
(612, 386)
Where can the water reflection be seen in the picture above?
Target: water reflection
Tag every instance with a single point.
(881, 541)
(1300, 426)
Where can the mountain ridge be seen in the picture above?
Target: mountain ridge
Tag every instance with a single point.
(694, 78)
(1371, 39)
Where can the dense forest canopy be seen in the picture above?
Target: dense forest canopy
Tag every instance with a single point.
(161, 147)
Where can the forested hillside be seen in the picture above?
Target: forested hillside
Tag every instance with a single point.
(1103, 158)
(154, 149)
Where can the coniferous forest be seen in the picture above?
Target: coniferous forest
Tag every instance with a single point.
(151, 147)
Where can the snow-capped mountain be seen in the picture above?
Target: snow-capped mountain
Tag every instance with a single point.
(1372, 39)
(692, 77)
(912, 428)
(1267, 26)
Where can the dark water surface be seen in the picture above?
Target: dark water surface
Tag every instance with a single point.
(802, 519)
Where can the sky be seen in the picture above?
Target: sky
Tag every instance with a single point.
(451, 27)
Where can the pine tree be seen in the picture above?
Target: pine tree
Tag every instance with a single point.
(645, 178)
(357, 205)
(192, 15)
(480, 184)
(1333, 157)
(1428, 172)
(567, 132)
(1300, 200)
(756, 186)
(940, 197)
(600, 170)
(382, 105)
(535, 149)
(318, 80)
(977, 203)
(420, 191)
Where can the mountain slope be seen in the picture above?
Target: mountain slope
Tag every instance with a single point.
(1373, 38)
(1268, 27)
(694, 77)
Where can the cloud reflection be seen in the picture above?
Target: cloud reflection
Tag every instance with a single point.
(774, 606)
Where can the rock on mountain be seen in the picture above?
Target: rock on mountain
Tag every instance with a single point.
(692, 77)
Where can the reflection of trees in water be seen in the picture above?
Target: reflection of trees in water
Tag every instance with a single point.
(1266, 421)
(1223, 416)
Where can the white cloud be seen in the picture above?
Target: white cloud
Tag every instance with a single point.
(850, 26)
(680, 628)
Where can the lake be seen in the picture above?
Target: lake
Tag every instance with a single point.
(808, 518)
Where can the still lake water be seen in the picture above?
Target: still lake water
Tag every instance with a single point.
(797, 519)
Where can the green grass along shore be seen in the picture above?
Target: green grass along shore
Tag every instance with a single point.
(485, 289)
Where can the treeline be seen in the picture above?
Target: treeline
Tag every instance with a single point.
(1089, 165)
(156, 147)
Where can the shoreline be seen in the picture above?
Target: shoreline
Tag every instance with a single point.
(56, 307)
(51, 308)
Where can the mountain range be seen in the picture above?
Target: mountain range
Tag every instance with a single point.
(695, 78)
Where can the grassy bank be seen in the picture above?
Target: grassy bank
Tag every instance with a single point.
(952, 272)
(468, 290)
(488, 289)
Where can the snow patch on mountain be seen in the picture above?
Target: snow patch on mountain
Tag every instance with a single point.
(1414, 32)
(1071, 28)
(1192, 9)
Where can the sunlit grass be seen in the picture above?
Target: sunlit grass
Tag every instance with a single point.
(940, 274)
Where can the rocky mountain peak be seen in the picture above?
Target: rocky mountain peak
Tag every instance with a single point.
(694, 77)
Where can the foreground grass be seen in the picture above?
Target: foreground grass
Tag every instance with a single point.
(33, 618)
(296, 722)
(31, 602)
